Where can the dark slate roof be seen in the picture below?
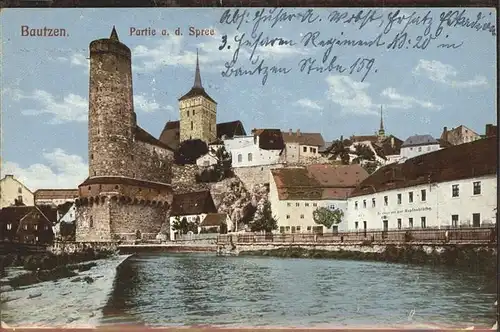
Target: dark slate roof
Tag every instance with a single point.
(125, 181)
(171, 134)
(14, 213)
(214, 219)
(193, 203)
(195, 92)
(270, 139)
(230, 129)
(417, 140)
(144, 136)
(49, 212)
(474, 159)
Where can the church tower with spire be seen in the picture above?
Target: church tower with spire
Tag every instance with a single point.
(381, 131)
(198, 112)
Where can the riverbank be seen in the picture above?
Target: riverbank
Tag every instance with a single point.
(468, 257)
(75, 301)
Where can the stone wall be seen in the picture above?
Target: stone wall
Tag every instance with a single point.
(128, 218)
(254, 175)
(59, 248)
(93, 223)
(117, 218)
(478, 257)
(151, 163)
(184, 179)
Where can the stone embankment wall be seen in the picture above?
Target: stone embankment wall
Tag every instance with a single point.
(477, 257)
(59, 248)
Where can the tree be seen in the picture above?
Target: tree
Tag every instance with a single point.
(265, 221)
(224, 161)
(183, 226)
(364, 154)
(327, 217)
(340, 149)
(190, 150)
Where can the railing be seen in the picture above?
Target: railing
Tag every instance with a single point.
(197, 237)
(449, 235)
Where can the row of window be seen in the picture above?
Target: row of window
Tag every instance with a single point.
(298, 229)
(423, 223)
(25, 227)
(298, 204)
(312, 150)
(476, 189)
(420, 148)
(423, 198)
(476, 222)
(455, 192)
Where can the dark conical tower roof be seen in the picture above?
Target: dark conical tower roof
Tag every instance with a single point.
(197, 89)
(114, 35)
(197, 75)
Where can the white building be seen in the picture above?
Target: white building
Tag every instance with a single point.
(417, 145)
(55, 197)
(451, 187)
(295, 193)
(263, 147)
(12, 190)
(66, 215)
(193, 207)
(206, 160)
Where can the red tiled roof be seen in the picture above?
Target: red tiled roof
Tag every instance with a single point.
(56, 193)
(474, 159)
(317, 181)
(312, 139)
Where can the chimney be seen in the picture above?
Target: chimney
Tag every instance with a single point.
(298, 132)
(392, 142)
(290, 131)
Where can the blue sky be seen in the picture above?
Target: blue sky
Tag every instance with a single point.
(45, 80)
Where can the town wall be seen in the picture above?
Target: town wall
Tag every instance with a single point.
(127, 219)
(114, 218)
(93, 223)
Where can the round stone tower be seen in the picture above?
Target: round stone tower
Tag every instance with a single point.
(112, 120)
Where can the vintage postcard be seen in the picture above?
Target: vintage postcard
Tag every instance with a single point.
(249, 167)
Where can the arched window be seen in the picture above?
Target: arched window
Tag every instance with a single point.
(192, 125)
(240, 158)
(91, 222)
(249, 157)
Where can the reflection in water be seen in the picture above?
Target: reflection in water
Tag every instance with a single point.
(190, 289)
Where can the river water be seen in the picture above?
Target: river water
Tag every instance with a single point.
(202, 289)
(192, 289)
